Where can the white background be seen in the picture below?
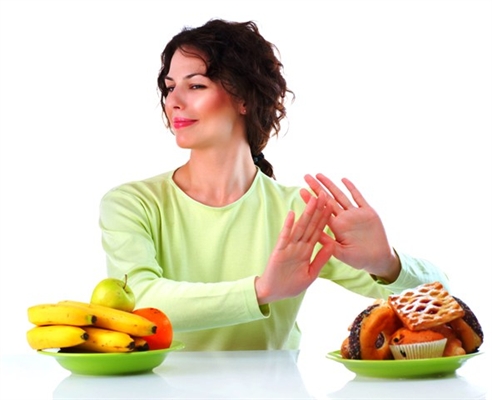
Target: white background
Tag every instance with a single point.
(396, 95)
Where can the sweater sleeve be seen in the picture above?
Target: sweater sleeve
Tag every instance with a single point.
(414, 272)
(127, 237)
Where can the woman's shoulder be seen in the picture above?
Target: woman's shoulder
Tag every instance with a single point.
(274, 188)
(148, 186)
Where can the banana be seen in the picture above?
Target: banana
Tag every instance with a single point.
(105, 341)
(140, 344)
(55, 336)
(59, 314)
(116, 320)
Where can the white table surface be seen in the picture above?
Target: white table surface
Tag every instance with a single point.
(236, 375)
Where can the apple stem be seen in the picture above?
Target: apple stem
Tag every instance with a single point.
(126, 280)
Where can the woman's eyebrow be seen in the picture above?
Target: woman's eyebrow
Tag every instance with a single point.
(189, 76)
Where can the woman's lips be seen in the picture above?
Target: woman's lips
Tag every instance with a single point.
(182, 122)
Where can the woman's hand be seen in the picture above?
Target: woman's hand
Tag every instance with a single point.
(291, 268)
(360, 239)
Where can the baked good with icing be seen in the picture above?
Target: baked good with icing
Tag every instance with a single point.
(425, 306)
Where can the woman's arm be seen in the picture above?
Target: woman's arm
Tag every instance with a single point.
(128, 225)
(131, 225)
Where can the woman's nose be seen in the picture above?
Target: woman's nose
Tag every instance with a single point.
(175, 99)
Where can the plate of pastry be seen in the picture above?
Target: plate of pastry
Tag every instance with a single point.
(403, 368)
(420, 332)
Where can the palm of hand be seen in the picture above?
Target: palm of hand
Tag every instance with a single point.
(291, 267)
(292, 263)
(360, 240)
(359, 236)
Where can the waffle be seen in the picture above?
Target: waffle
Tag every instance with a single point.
(425, 306)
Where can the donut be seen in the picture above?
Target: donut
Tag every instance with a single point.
(370, 333)
(468, 329)
(344, 349)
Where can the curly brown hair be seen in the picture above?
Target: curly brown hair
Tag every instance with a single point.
(247, 66)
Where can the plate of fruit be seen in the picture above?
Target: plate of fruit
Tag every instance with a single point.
(106, 336)
(134, 362)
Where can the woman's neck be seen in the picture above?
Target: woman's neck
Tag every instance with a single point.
(216, 179)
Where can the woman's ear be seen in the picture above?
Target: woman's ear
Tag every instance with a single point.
(242, 108)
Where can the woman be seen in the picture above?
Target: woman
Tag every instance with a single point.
(217, 244)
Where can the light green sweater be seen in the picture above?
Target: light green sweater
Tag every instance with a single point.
(198, 263)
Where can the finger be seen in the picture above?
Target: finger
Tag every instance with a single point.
(285, 232)
(320, 260)
(313, 184)
(305, 195)
(318, 220)
(339, 196)
(317, 188)
(356, 195)
(303, 222)
(325, 239)
(321, 224)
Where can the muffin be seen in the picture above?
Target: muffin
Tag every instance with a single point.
(406, 344)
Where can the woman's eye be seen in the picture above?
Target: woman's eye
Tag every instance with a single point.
(170, 89)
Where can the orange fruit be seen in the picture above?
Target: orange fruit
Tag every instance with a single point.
(163, 337)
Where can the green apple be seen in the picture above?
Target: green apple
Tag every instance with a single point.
(114, 293)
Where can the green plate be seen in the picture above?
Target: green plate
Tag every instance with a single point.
(402, 368)
(112, 363)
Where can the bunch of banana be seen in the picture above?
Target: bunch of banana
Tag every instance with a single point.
(104, 341)
(117, 320)
(83, 327)
(56, 336)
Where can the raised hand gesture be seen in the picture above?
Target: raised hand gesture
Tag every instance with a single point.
(291, 267)
(359, 236)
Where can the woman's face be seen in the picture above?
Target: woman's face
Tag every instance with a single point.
(202, 114)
